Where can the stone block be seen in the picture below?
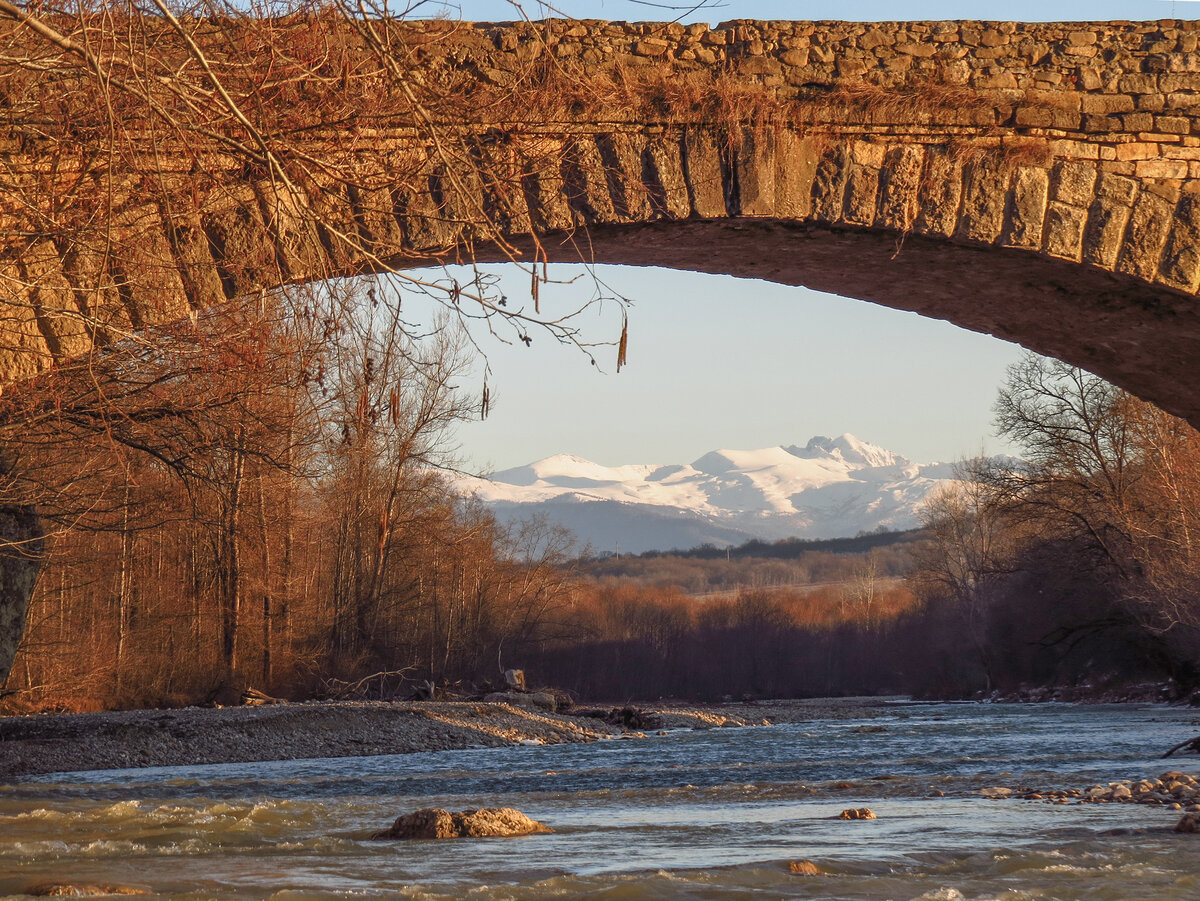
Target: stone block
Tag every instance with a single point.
(940, 194)
(1182, 100)
(1138, 84)
(665, 178)
(702, 163)
(190, 250)
(585, 179)
(1138, 150)
(899, 185)
(1178, 81)
(829, 185)
(1161, 168)
(1106, 104)
(795, 171)
(50, 294)
(624, 174)
(1137, 121)
(983, 202)
(85, 265)
(1105, 230)
(23, 349)
(996, 81)
(1116, 189)
(875, 37)
(762, 65)
(1026, 211)
(1178, 125)
(754, 165)
(862, 194)
(1145, 236)
(1102, 125)
(1064, 230)
(651, 47)
(1074, 182)
(1180, 266)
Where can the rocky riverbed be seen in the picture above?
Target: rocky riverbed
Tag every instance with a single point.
(147, 738)
(1173, 790)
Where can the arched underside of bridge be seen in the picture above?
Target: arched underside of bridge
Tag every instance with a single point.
(1143, 338)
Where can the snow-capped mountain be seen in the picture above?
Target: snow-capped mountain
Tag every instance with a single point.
(829, 488)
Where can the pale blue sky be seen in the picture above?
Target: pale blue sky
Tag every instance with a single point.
(719, 362)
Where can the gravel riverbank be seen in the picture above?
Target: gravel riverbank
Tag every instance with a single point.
(30, 745)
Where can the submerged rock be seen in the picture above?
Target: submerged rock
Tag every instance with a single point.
(487, 822)
(1189, 822)
(857, 813)
(804, 868)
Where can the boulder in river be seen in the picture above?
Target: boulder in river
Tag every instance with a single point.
(857, 813)
(433, 822)
(1189, 822)
(804, 868)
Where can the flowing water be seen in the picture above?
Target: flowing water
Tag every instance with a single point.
(692, 815)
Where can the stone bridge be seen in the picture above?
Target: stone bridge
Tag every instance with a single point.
(1034, 181)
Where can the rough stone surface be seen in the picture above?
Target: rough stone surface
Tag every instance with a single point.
(487, 822)
(804, 868)
(1189, 822)
(857, 813)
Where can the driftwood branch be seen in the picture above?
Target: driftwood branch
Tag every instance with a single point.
(1192, 744)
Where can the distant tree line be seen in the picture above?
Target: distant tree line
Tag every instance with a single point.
(252, 500)
(783, 548)
(1076, 566)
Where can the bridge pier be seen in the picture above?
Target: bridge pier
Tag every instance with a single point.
(21, 543)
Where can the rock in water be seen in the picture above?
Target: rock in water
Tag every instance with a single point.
(857, 813)
(804, 868)
(487, 822)
(1189, 822)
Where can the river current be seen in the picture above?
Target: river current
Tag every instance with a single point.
(715, 814)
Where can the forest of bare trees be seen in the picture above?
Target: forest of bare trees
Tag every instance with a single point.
(1079, 560)
(257, 503)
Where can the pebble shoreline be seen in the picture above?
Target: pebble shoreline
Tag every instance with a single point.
(33, 745)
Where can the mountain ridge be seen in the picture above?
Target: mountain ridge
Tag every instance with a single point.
(827, 488)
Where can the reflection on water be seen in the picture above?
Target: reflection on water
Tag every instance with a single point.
(704, 815)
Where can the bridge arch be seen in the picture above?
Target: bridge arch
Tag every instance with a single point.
(1038, 182)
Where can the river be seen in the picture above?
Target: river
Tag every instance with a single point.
(715, 814)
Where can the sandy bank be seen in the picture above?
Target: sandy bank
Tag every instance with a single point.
(147, 738)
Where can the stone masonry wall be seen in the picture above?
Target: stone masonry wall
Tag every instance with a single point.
(1074, 142)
